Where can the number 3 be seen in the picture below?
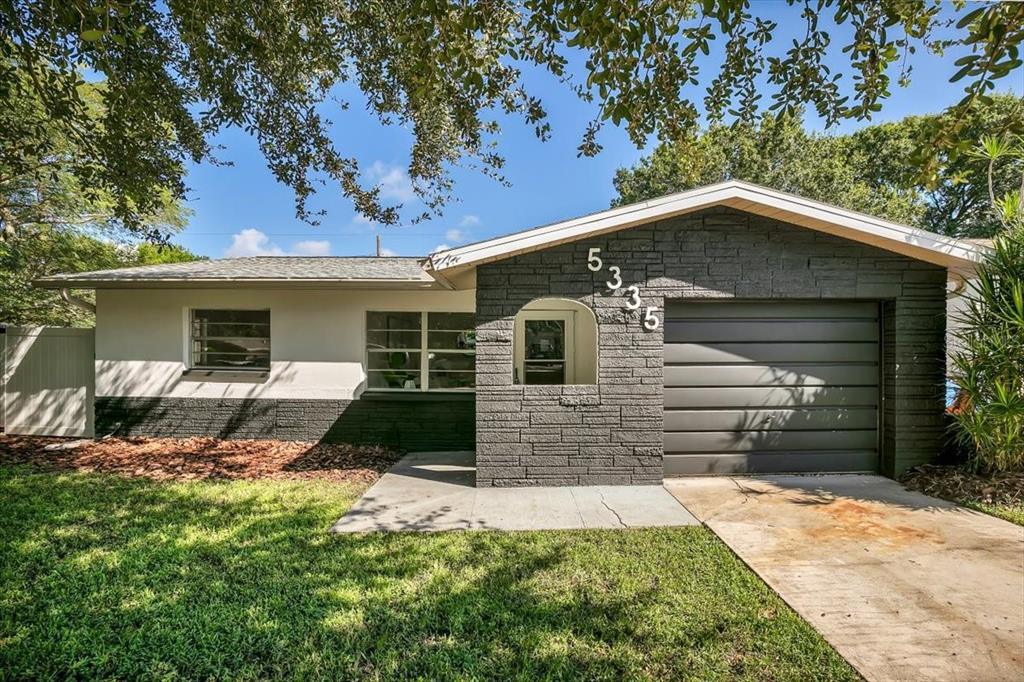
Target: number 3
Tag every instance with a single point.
(594, 262)
(633, 300)
(616, 283)
(651, 321)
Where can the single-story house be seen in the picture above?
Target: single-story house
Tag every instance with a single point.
(730, 328)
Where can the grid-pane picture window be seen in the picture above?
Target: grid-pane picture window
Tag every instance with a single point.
(420, 351)
(230, 339)
(394, 348)
(451, 343)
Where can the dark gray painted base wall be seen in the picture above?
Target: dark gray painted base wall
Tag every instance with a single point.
(612, 433)
(436, 422)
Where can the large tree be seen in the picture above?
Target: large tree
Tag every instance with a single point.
(41, 250)
(176, 72)
(868, 171)
(59, 216)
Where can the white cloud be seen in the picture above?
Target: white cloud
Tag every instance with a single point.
(360, 219)
(440, 247)
(469, 220)
(253, 242)
(394, 182)
(455, 235)
(385, 251)
(312, 247)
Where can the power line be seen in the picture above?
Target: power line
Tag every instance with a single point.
(389, 235)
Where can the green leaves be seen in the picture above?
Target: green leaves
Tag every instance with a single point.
(177, 72)
(989, 363)
(868, 171)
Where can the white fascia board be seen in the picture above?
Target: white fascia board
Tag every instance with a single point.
(224, 283)
(877, 231)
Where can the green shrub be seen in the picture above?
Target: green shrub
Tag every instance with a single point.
(989, 366)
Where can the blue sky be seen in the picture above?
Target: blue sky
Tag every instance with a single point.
(242, 210)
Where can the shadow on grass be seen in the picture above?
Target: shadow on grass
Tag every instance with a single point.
(108, 577)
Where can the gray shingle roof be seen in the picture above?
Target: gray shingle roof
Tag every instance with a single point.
(255, 269)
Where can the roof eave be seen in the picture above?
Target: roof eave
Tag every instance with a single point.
(224, 283)
(926, 246)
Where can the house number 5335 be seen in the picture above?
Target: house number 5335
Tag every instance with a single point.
(633, 300)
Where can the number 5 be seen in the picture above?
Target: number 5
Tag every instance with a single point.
(651, 321)
(594, 262)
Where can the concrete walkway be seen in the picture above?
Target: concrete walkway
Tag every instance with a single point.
(904, 586)
(435, 491)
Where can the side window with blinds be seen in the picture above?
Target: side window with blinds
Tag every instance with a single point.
(230, 339)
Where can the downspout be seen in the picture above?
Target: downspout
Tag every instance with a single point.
(67, 297)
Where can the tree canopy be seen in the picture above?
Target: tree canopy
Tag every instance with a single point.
(39, 251)
(869, 170)
(176, 72)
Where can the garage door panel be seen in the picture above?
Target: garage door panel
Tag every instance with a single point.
(767, 396)
(773, 330)
(771, 386)
(771, 375)
(769, 420)
(710, 310)
(766, 463)
(768, 441)
(723, 352)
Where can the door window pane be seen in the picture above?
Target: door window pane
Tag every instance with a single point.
(544, 352)
(545, 340)
(544, 373)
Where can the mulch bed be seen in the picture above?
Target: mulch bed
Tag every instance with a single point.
(191, 459)
(958, 484)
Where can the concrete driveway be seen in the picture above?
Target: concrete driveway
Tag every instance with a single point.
(904, 586)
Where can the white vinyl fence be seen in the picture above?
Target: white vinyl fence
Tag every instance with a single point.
(48, 381)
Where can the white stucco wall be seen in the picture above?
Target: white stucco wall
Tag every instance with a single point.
(317, 339)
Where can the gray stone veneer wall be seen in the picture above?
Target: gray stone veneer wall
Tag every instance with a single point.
(611, 433)
(432, 422)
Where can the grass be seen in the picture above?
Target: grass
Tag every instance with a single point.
(1014, 513)
(102, 576)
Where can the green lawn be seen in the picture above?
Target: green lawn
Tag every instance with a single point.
(102, 576)
(1014, 513)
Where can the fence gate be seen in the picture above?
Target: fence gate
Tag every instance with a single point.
(48, 381)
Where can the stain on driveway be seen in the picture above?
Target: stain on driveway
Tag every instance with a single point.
(905, 586)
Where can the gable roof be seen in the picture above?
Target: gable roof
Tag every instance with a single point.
(391, 272)
(958, 255)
